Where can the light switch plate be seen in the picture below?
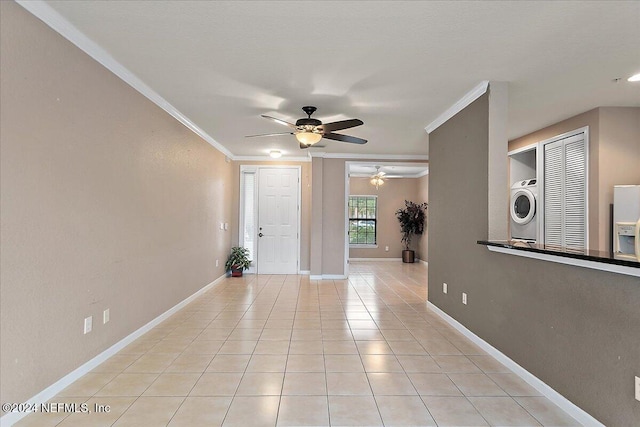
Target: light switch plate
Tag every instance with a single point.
(106, 316)
(445, 288)
(464, 298)
(88, 324)
(638, 388)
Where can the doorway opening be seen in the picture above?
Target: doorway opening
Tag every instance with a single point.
(269, 223)
(374, 191)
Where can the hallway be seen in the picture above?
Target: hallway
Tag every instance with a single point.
(284, 350)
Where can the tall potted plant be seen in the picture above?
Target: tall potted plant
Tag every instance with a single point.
(412, 221)
(238, 261)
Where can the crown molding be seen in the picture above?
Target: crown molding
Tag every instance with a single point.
(370, 156)
(463, 102)
(270, 159)
(58, 23)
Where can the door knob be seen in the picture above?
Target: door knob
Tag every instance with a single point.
(260, 234)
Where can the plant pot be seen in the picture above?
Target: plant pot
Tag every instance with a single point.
(236, 272)
(408, 256)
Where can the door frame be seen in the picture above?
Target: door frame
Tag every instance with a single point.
(540, 180)
(347, 191)
(256, 170)
(347, 177)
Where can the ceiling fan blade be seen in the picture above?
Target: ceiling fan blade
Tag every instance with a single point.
(282, 122)
(269, 134)
(344, 138)
(343, 124)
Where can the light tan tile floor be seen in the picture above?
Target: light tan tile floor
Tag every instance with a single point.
(290, 351)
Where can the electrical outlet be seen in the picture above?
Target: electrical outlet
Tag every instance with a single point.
(226, 225)
(445, 288)
(638, 388)
(217, 263)
(222, 226)
(88, 324)
(464, 298)
(105, 316)
(386, 248)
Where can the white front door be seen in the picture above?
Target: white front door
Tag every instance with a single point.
(278, 220)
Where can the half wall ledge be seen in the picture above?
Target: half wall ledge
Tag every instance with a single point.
(597, 260)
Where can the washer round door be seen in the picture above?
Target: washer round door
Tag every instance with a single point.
(523, 206)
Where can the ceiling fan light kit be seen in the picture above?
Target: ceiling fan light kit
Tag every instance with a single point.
(309, 131)
(377, 179)
(308, 138)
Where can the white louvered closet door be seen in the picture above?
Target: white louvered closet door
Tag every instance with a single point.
(553, 193)
(565, 192)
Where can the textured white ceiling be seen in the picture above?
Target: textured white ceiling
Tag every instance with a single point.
(394, 65)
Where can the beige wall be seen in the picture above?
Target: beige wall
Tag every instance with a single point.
(391, 197)
(556, 321)
(107, 202)
(305, 205)
(317, 231)
(423, 241)
(333, 216)
(618, 159)
(614, 153)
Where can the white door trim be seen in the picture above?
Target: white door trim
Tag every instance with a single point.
(256, 169)
(346, 219)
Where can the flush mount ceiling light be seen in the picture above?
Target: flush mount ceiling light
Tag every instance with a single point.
(377, 179)
(634, 78)
(275, 154)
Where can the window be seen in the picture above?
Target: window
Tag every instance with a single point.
(362, 220)
(248, 211)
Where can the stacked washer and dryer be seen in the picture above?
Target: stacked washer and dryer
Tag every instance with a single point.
(524, 218)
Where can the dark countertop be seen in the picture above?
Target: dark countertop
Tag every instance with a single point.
(584, 254)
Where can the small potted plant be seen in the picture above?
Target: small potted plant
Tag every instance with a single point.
(412, 221)
(238, 261)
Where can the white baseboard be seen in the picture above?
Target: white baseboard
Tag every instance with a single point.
(327, 277)
(13, 417)
(304, 272)
(421, 261)
(562, 402)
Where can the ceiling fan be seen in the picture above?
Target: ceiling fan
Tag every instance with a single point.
(309, 131)
(378, 178)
